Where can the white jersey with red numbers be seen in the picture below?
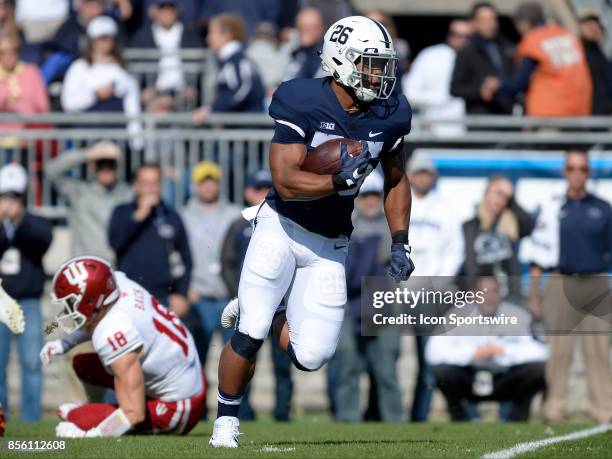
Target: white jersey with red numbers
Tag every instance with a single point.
(169, 360)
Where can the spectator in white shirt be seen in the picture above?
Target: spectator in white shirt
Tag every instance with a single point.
(169, 35)
(427, 86)
(435, 230)
(490, 364)
(98, 82)
(437, 249)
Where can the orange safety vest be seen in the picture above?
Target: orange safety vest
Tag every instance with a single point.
(561, 84)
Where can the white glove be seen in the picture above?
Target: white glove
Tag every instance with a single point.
(50, 349)
(69, 430)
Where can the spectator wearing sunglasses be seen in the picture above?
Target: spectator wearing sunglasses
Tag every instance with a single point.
(573, 241)
(89, 202)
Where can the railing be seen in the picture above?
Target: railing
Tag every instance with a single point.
(240, 142)
(198, 67)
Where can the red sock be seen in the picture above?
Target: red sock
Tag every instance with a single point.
(90, 415)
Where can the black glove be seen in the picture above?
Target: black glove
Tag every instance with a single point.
(353, 167)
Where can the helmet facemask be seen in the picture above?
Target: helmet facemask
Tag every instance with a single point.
(374, 74)
(70, 319)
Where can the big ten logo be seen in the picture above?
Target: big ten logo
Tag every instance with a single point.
(269, 255)
(562, 51)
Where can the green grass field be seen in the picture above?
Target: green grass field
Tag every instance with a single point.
(317, 437)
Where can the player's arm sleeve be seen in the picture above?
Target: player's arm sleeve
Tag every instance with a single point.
(396, 147)
(116, 339)
(402, 127)
(75, 338)
(291, 124)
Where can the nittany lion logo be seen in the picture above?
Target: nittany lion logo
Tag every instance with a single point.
(76, 274)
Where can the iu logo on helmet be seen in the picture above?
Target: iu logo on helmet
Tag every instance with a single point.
(76, 274)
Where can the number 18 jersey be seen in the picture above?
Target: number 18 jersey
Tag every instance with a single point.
(168, 356)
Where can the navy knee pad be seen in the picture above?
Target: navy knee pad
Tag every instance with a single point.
(244, 345)
(296, 362)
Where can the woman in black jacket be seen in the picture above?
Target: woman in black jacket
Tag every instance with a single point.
(492, 236)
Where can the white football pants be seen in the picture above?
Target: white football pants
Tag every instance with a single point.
(285, 261)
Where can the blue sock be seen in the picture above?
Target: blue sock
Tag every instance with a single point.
(228, 405)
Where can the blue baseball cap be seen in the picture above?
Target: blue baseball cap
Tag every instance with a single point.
(260, 179)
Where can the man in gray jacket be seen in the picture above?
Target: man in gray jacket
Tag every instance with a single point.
(207, 219)
(89, 203)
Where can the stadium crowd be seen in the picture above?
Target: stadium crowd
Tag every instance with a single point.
(190, 258)
(475, 71)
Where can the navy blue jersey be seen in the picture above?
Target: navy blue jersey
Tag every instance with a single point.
(239, 87)
(307, 111)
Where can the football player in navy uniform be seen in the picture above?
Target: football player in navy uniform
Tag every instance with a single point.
(302, 229)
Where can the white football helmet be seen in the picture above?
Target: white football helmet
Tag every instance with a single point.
(359, 53)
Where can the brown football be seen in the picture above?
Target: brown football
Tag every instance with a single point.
(325, 159)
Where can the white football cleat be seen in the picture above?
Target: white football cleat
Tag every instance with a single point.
(225, 432)
(69, 430)
(230, 314)
(11, 313)
(65, 408)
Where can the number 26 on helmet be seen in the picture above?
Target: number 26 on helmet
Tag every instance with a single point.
(359, 53)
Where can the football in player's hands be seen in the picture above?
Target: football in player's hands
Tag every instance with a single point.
(326, 158)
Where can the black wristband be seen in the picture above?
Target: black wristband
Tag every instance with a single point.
(400, 237)
(339, 183)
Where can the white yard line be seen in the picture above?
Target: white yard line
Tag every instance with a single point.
(533, 445)
(275, 449)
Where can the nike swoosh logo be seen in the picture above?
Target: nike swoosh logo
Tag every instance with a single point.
(374, 134)
(336, 246)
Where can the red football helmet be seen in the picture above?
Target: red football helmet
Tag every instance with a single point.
(81, 286)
